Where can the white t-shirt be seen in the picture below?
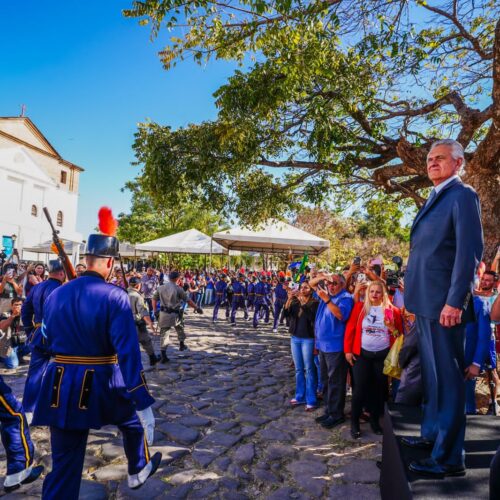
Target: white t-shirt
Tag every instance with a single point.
(375, 334)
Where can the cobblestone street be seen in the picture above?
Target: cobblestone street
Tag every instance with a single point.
(225, 428)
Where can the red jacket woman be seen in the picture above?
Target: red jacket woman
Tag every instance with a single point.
(353, 330)
(370, 331)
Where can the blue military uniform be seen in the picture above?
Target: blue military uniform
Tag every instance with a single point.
(32, 315)
(95, 379)
(251, 294)
(220, 297)
(261, 302)
(477, 342)
(239, 296)
(16, 441)
(280, 298)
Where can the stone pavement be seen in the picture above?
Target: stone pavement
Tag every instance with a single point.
(225, 428)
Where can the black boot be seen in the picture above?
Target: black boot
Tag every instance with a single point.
(182, 346)
(376, 427)
(355, 430)
(153, 359)
(164, 358)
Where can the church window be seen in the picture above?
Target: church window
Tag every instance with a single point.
(34, 211)
(64, 176)
(59, 220)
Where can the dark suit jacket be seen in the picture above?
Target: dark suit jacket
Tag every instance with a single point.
(446, 246)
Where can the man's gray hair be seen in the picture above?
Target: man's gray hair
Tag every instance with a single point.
(457, 151)
(341, 277)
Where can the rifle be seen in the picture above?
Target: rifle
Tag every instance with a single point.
(125, 281)
(68, 266)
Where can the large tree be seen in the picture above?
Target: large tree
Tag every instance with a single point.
(335, 100)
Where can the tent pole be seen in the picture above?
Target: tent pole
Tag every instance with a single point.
(211, 242)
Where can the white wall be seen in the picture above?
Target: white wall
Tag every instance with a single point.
(23, 183)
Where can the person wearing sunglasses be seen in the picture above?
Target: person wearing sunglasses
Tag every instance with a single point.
(333, 312)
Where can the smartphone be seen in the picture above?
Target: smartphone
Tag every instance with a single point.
(356, 261)
(10, 273)
(389, 315)
(361, 278)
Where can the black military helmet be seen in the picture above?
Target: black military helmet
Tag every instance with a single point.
(55, 266)
(102, 245)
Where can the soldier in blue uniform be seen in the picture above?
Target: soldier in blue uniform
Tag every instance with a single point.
(16, 440)
(280, 298)
(96, 376)
(239, 297)
(251, 292)
(31, 316)
(220, 296)
(261, 301)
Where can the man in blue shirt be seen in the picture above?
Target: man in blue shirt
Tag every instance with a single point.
(333, 312)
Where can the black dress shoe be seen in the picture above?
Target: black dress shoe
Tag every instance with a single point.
(330, 422)
(34, 475)
(355, 433)
(430, 468)
(156, 461)
(153, 359)
(417, 442)
(321, 418)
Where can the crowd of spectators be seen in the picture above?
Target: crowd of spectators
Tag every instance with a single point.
(342, 325)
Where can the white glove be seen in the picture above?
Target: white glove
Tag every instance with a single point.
(148, 423)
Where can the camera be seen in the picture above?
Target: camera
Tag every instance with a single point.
(392, 276)
(356, 261)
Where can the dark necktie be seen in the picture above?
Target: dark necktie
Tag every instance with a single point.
(431, 197)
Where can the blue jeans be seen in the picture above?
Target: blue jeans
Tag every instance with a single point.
(209, 296)
(12, 361)
(319, 387)
(306, 379)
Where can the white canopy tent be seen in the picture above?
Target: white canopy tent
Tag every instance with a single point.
(191, 241)
(72, 248)
(46, 247)
(273, 237)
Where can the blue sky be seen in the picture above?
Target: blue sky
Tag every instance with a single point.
(87, 76)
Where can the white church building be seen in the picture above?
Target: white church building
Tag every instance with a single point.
(33, 175)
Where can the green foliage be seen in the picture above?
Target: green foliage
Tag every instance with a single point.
(366, 235)
(150, 219)
(336, 104)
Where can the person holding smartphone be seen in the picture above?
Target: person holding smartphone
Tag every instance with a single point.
(371, 330)
(301, 308)
(333, 312)
(9, 288)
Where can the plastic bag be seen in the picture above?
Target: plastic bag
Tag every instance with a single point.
(391, 362)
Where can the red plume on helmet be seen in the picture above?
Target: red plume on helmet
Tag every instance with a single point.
(107, 223)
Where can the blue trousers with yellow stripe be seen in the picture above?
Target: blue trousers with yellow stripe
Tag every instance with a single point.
(14, 431)
(68, 455)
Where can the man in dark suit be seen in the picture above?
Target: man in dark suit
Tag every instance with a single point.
(446, 247)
